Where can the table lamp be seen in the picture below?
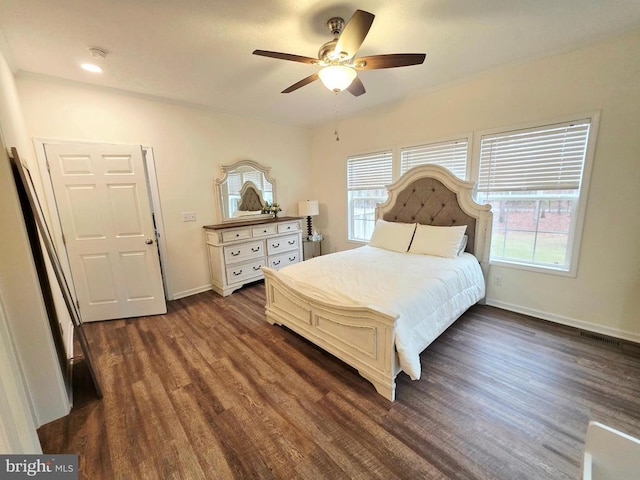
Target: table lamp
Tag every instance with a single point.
(308, 208)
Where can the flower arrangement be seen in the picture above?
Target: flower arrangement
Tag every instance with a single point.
(272, 208)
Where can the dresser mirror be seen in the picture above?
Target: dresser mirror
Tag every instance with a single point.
(242, 190)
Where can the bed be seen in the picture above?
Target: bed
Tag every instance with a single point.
(378, 307)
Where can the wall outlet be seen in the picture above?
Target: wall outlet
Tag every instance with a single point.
(497, 280)
(188, 216)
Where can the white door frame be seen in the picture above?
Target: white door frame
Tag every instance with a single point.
(55, 226)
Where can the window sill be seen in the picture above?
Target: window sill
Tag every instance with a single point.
(359, 243)
(534, 268)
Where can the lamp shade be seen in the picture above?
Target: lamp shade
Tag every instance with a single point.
(337, 77)
(308, 208)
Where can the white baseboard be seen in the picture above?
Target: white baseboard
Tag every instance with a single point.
(191, 291)
(571, 322)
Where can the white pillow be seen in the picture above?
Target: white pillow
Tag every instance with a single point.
(463, 244)
(438, 241)
(392, 236)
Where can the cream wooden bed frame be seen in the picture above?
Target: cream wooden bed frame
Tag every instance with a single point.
(364, 337)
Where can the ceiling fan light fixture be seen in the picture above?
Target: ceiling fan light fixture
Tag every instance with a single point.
(91, 67)
(337, 77)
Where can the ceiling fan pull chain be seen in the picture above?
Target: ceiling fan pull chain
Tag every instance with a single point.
(335, 130)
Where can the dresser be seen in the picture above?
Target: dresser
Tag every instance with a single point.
(238, 250)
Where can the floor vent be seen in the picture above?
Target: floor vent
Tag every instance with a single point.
(614, 342)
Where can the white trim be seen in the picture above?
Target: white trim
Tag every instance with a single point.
(581, 211)
(152, 183)
(534, 124)
(191, 291)
(549, 270)
(568, 321)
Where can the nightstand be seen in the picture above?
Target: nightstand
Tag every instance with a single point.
(311, 248)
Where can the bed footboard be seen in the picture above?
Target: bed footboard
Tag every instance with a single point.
(361, 336)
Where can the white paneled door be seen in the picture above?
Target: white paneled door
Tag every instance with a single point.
(104, 208)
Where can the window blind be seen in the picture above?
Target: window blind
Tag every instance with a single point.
(234, 183)
(370, 171)
(451, 154)
(545, 158)
(255, 177)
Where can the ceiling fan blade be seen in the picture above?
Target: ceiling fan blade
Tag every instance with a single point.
(356, 88)
(354, 33)
(389, 61)
(286, 56)
(301, 83)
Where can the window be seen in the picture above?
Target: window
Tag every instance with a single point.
(533, 180)
(367, 177)
(451, 154)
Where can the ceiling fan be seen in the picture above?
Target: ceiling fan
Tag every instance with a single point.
(337, 57)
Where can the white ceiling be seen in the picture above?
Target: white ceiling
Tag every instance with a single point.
(199, 51)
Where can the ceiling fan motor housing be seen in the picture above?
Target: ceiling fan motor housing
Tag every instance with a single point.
(327, 51)
(335, 24)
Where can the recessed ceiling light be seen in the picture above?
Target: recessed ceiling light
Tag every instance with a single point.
(90, 67)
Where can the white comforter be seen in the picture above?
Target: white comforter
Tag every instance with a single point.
(429, 293)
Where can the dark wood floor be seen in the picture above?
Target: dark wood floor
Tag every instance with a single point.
(211, 390)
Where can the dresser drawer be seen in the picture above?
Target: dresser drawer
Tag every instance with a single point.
(244, 251)
(239, 234)
(282, 244)
(288, 227)
(282, 260)
(245, 271)
(263, 230)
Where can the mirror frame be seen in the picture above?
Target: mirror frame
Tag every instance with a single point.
(218, 182)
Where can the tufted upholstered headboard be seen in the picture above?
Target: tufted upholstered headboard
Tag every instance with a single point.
(250, 198)
(432, 195)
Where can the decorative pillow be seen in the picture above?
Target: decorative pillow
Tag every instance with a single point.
(438, 241)
(392, 236)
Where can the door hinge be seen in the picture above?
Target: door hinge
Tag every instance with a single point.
(78, 304)
(64, 240)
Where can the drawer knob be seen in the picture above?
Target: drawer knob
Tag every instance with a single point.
(277, 262)
(292, 242)
(255, 249)
(235, 254)
(239, 272)
(291, 259)
(275, 245)
(257, 268)
(237, 234)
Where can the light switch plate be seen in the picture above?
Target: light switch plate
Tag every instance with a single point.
(188, 216)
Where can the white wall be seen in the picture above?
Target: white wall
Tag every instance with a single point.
(605, 296)
(17, 428)
(190, 144)
(24, 309)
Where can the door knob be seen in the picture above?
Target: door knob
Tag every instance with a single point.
(148, 241)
